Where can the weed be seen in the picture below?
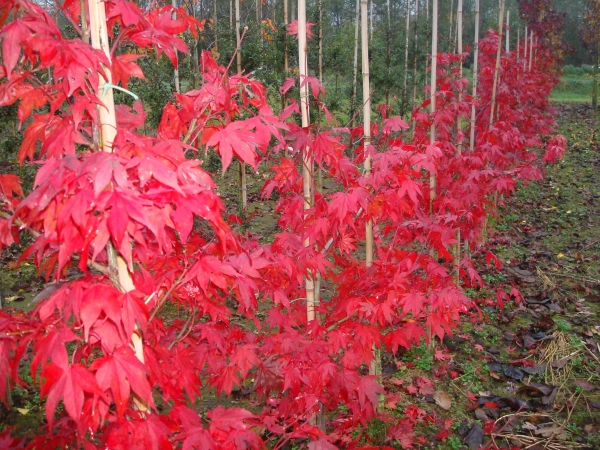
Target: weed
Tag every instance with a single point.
(420, 356)
(453, 443)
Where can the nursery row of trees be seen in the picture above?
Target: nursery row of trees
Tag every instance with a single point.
(388, 21)
(129, 221)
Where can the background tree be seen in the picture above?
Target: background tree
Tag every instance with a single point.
(590, 34)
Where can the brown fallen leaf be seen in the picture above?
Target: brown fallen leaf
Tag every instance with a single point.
(556, 432)
(535, 390)
(561, 363)
(585, 385)
(443, 400)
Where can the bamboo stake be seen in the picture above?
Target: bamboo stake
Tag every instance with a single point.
(371, 23)
(451, 29)
(416, 39)
(230, 14)
(285, 41)
(195, 52)
(108, 132)
(176, 71)
(355, 75)
(237, 37)
(375, 367)
(475, 74)
(497, 68)
(518, 43)
(388, 59)
(214, 25)
(459, 125)
(526, 37)
(366, 121)
(320, 6)
(434, 38)
(459, 32)
(307, 168)
(404, 93)
(530, 49)
(508, 31)
(242, 167)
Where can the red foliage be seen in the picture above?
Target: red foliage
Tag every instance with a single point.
(141, 202)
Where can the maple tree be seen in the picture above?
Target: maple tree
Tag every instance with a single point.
(140, 202)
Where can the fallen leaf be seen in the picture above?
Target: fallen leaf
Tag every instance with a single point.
(535, 390)
(442, 399)
(481, 415)
(560, 363)
(475, 437)
(585, 385)
(556, 432)
(23, 411)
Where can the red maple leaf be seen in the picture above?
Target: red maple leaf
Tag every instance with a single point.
(292, 29)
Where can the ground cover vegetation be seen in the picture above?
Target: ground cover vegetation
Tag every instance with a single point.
(176, 318)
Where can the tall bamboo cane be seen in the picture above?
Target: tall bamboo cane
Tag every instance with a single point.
(375, 368)
(307, 167)
(242, 173)
(450, 27)
(459, 32)
(508, 30)
(434, 38)
(416, 39)
(475, 75)
(498, 57)
(176, 71)
(285, 42)
(108, 132)
(355, 74)
(320, 7)
(530, 49)
(388, 52)
(404, 92)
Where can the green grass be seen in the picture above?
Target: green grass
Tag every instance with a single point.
(575, 86)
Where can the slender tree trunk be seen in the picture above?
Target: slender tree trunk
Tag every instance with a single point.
(404, 91)
(416, 39)
(432, 136)
(307, 167)
(475, 76)
(108, 132)
(176, 71)
(355, 76)
(230, 14)
(498, 60)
